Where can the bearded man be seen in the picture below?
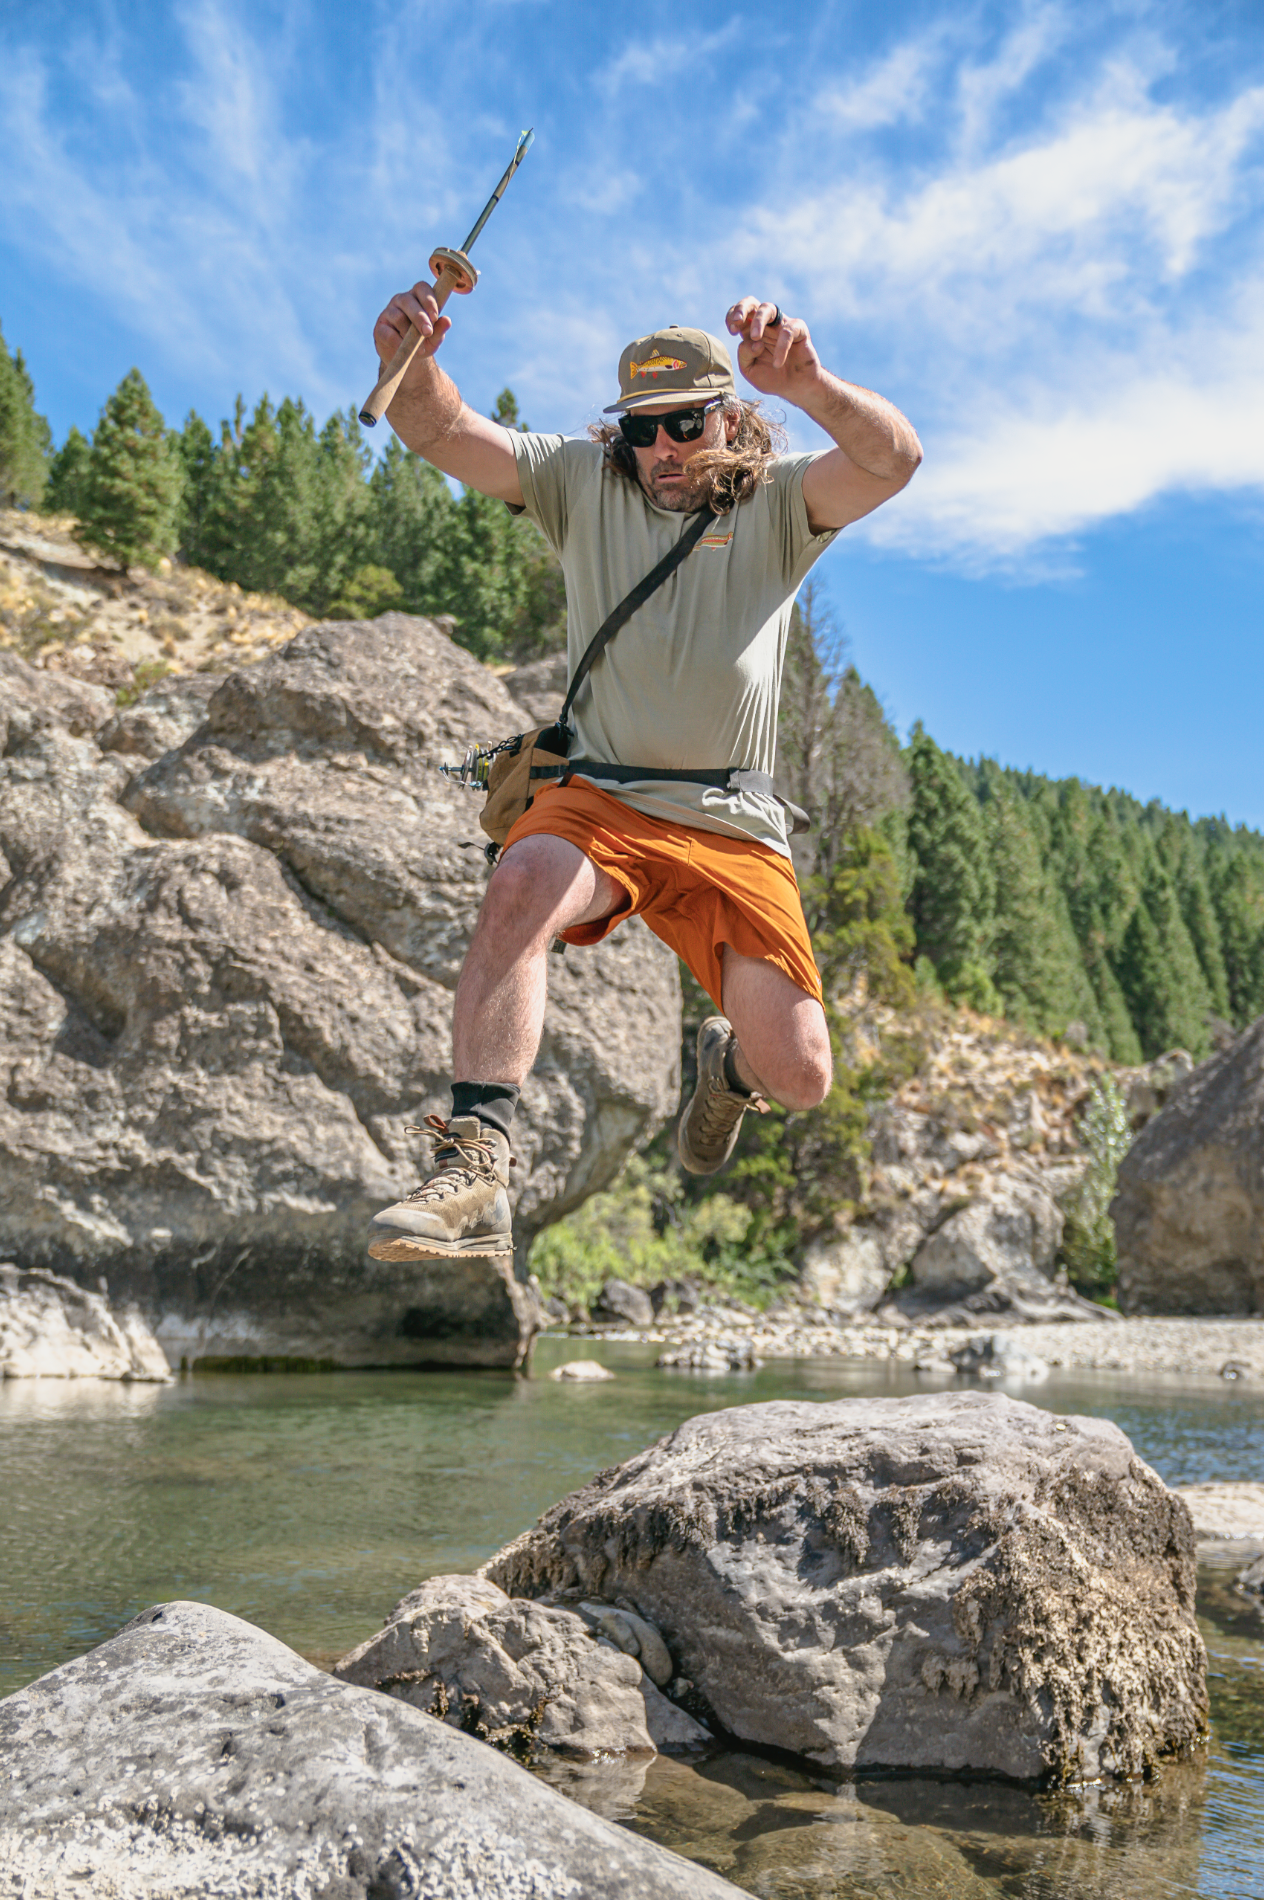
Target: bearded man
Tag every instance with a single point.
(690, 684)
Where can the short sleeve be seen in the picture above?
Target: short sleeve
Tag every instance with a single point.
(551, 469)
(800, 547)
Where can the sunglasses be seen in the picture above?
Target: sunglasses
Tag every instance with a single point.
(682, 425)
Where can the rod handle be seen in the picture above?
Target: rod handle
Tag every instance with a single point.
(380, 398)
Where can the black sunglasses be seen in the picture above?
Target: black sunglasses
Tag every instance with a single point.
(682, 425)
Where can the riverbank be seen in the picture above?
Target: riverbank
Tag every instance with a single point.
(1230, 1349)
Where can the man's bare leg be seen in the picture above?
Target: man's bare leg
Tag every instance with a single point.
(541, 886)
(772, 1042)
(783, 1045)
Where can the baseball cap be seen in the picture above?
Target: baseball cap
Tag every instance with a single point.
(672, 362)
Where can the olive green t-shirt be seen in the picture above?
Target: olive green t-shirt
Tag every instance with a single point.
(693, 678)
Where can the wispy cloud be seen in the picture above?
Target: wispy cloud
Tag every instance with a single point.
(643, 61)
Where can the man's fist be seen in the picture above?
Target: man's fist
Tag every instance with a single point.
(418, 308)
(775, 356)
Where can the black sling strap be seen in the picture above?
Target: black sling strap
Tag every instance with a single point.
(637, 598)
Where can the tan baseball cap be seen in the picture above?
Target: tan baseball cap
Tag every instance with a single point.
(673, 362)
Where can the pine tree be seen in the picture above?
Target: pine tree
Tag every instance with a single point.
(68, 475)
(1237, 888)
(25, 441)
(410, 521)
(130, 508)
(1037, 966)
(953, 898)
(1158, 971)
(195, 446)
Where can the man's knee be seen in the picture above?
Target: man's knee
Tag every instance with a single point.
(808, 1079)
(520, 898)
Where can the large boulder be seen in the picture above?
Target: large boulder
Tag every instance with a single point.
(1189, 1208)
(525, 1675)
(226, 976)
(192, 1754)
(52, 1329)
(956, 1582)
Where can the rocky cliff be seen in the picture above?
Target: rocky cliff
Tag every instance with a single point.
(231, 920)
(1189, 1213)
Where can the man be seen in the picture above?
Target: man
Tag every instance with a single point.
(690, 682)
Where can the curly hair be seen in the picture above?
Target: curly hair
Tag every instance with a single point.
(723, 477)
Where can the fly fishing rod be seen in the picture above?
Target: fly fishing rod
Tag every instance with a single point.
(452, 271)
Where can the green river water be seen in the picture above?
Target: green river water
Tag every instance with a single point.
(310, 1503)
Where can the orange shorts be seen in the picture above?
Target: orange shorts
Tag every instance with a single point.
(697, 890)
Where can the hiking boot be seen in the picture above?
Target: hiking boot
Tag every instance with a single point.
(462, 1211)
(706, 1133)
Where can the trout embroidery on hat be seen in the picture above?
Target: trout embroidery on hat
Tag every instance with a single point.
(655, 364)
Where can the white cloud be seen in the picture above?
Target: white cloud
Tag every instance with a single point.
(647, 62)
(891, 91)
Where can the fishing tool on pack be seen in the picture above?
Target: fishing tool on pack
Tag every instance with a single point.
(475, 767)
(453, 271)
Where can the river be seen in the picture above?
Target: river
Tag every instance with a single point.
(310, 1503)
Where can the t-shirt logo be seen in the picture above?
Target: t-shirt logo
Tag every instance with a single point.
(652, 365)
(716, 540)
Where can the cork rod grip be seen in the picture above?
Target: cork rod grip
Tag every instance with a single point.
(379, 401)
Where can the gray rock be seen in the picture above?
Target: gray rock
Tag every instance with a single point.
(621, 1625)
(623, 1305)
(994, 1255)
(711, 1355)
(525, 1675)
(582, 1372)
(998, 1356)
(954, 1581)
(1189, 1210)
(846, 1273)
(52, 1329)
(1151, 1087)
(162, 718)
(539, 687)
(227, 977)
(193, 1754)
(1251, 1581)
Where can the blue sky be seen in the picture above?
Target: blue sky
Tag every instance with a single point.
(1037, 227)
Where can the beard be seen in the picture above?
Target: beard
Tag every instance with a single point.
(680, 497)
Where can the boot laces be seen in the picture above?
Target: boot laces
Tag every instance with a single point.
(723, 1106)
(459, 1160)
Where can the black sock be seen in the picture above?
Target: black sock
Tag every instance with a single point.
(492, 1102)
(731, 1076)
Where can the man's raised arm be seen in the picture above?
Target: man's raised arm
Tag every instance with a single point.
(877, 448)
(428, 414)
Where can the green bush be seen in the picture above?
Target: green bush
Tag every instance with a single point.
(1088, 1239)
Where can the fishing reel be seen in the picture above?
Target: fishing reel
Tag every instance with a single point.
(475, 768)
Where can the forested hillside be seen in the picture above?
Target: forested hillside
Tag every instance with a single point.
(1080, 913)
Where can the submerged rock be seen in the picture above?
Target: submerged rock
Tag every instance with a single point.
(194, 1755)
(582, 1372)
(52, 1329)
(998, 1356)
(524, 1675)
(954, 1582)
(1189, 1210)
(231, 924)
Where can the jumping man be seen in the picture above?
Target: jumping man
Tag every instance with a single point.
(690, 682)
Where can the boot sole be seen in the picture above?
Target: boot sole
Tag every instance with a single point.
(412, 1248)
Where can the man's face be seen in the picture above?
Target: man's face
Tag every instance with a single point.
(663, 467)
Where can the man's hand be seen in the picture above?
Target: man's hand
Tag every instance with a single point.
(418, 308)
(778, 359)
(876, 450)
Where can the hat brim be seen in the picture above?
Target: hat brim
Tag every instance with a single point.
(681, 398)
